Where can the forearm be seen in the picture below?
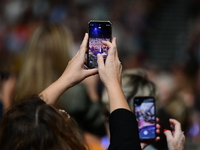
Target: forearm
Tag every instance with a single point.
(92, 92)
(7, 100)
(73, 74)
(116, 97)
(8, 91)
(51, 94)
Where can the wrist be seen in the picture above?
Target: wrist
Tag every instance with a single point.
(55, 90)
(66, 81)
(111, 84)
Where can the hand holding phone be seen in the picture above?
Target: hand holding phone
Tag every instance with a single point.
(98, 31)
(145, 112)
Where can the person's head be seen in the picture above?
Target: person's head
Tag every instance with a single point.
(47, 55)
(134, 83)
(179, 111)
(31, 124)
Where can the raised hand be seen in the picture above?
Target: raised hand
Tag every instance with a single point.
(75, 68)
(110, 75)
(175, 138)
(73, 74)
(110, 72)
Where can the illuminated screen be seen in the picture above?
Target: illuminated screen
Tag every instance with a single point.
(98, 32)
(146, 117)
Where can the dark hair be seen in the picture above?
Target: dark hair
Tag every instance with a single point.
(31, 124)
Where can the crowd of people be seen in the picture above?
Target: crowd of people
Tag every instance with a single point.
(25, 120)
(38, 40)
(96, 46)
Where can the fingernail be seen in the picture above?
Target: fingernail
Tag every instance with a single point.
(165, 130)
(86, 67)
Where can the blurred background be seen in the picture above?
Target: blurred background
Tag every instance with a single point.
(162, 36)
(158, 32)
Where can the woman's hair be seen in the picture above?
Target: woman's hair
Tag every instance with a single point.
(31, 124)
(47, 55)
(134, 83)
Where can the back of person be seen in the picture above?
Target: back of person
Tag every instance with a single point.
(46, 56)
(31, 124)
(48, 53)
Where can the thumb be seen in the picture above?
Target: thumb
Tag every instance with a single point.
(168, 134)
(91, 72)
(100, 60)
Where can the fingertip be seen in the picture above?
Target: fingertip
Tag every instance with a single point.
(157, 131)
(168, 134)
(157, 138)
(85, 66)
(158, 126)
(157, 119)
(95, 71)
(104, 42)
(174, 121)
(84, 42)
(114, 40)
(92, 72)
(98, 56)
(99, 59)
(165, 130)
(85, 35)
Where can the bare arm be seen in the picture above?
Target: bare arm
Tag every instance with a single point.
(122, 122)
(91, 84)
(73, 74)
(110, 74)
(7, 90)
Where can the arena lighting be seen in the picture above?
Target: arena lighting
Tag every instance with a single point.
(95, 31)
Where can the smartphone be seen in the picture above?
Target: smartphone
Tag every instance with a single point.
(145, 111)
(98, 31)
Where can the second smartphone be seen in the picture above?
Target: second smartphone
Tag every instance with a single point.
(98, 31)
(145, 111)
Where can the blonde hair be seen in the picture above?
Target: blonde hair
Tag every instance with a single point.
(134, 83)
(46, 58)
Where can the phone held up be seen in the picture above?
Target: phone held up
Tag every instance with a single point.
(145, 111)
(98, 31)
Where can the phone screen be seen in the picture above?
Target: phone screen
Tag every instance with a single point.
(98, 31)
(146, 117)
